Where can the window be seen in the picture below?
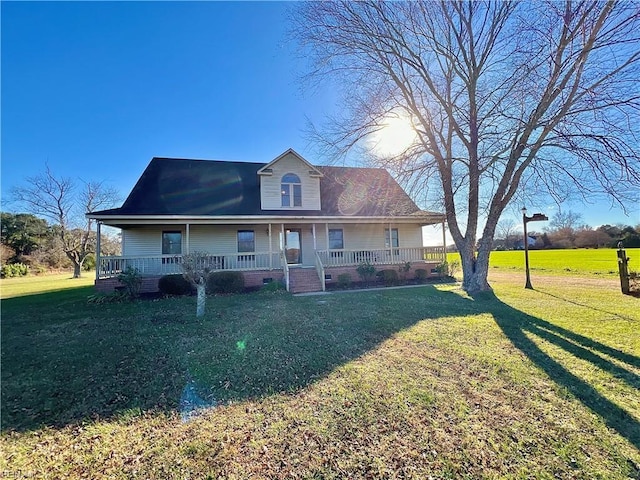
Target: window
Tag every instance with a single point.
(394, 238)
(171, 243)
(291, 187)
(246, 241)
(336, 239)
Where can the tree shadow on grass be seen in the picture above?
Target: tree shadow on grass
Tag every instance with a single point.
(516, 325)
(68, 361)
(64, 365)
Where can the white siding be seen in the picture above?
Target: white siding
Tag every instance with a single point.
(146, 241)
(223, 239)
(371, 236)
(214, 239)
(270, 185)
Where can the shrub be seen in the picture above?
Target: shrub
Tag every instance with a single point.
(14, 270)
(174, 284)
(421, 275)
(130, 279)
(449, 268)
(112, 297)
(404, 269)
(274, 286)
(388, 277)
(344, 280)
(225, 282)
(366, 271)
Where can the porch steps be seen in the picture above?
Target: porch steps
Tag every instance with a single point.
(303, 280)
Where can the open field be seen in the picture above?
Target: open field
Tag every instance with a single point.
(592, 262)
(20, 286)
(406, 383)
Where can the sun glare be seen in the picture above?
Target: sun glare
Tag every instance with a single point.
(396, 135)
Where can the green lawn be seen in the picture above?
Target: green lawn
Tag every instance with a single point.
(20, 286)
(592, 262)
(406, 383)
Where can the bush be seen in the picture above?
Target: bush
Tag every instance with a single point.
(344, 280)
(274, 286)
(116, 296)
(174, 284)
(388, 277)
(404, 269)
(225, 282)
(14, 270)
(366, 271)
(130, 279)
(89, 263)
(421, 275)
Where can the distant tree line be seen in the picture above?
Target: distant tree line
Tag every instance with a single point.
(31, 241)
(567, 230)
(54, 233)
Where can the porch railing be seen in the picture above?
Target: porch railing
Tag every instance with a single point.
(385, 256)
(168, 264)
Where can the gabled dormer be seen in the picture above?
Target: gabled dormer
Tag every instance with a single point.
(289, 182)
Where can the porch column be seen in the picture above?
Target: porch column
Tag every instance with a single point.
(270, 249)
(315, 243)
(444, 241)
(391, 245)
(326, 229)
(98, 225)
(188, 234)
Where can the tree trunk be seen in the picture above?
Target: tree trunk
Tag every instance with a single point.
(77, 270)
(474, 269)
(202, 297)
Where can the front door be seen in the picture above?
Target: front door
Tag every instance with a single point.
(293, 245)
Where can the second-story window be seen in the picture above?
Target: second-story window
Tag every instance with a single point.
(291, 190)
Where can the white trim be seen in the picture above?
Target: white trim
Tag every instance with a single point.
(313, 171)
(258, 219)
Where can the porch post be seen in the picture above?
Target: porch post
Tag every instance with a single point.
(389, 239)
(188, 230)
(326, 228)
(270, 250)
(444, 242)
(98, 247)
(315, 243)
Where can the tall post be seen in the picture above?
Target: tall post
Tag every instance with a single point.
(623, 269)
(536, 217)
(188, 239)
(98, 247)
(526, 251)
(444, 242)
(270, 249)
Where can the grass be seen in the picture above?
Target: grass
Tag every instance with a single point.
(406, 383)
(592, 262)
(20, 286)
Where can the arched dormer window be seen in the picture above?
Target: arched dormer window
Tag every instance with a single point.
(291, 190)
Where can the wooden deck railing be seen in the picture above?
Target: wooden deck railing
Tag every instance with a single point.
(167, 264)
(386, 256)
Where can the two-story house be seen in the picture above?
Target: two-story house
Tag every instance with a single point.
(286, 220)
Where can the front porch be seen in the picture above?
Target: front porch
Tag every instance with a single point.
(260, 267)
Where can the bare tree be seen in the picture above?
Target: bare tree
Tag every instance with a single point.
(62, 201)
(502, 95)
(565, 220)
(507, 229)
(195, 268)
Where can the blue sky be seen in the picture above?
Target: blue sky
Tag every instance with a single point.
(97, 89)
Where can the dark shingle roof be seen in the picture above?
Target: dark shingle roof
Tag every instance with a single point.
(171, 186)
